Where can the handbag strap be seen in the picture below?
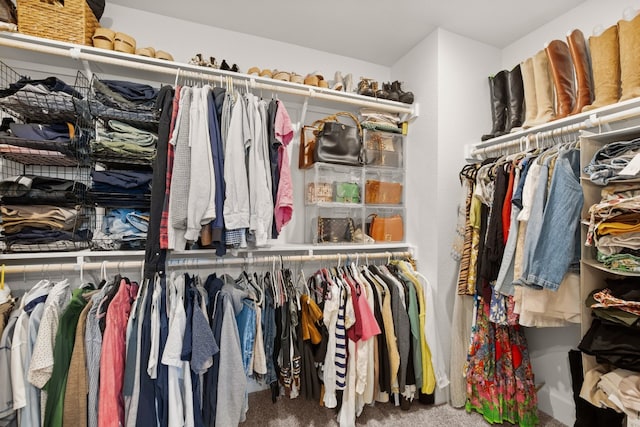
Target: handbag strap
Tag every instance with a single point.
(319, 124)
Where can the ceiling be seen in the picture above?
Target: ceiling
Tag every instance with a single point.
(372, 30)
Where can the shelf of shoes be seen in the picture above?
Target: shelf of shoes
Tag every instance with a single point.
(23, 47)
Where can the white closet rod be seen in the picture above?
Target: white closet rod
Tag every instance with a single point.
(172, 68)
(195, 263)
(590, 122)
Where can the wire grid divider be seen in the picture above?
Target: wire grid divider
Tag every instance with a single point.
(29, 105)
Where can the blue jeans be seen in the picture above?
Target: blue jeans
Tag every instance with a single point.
(608, 161)
(558, 245)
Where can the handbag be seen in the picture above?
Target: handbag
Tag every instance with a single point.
(382, 192)
(337, 142)
(335, 230)
(307, 146)
(347, 192)
(387, 229)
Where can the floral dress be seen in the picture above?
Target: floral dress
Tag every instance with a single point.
(500, 382)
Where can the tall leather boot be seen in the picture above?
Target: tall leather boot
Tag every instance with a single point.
(544, 89)
(629, 36)
(498, 95)
(530, 102)
(582, 64)
(605, 64)
(515, 105)
(562, 72)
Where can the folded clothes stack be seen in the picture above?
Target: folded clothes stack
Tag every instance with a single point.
(124, 100)
(380, 120)
(121, 141)
(35, 228)
(55, 137)
(122, 229)
(121, 188)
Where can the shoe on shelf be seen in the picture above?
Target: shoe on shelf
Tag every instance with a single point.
(235, 68)
(364, 87)
(348, 82)
(266, 73)
(311, 80)
(322, 82)
(281, 75)
(393, 94)
(381, 93)
(197, 60)
(224, 66)
(338, 82)
(406, 97)
(254, 71)
(297, 78)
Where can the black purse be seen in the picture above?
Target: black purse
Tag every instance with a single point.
(337, 142)
(335, 230)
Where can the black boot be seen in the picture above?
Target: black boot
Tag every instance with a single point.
(515, 107)
(498, 94)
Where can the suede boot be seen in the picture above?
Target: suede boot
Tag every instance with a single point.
(544, 89)
(605, 65)
(515, 104)
(562, 72)
(530, 102)
(499, 97)
(629, 37)
(582, 65)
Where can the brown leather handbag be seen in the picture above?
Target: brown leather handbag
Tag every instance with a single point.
(307, 146)
(382, 192)
(387, 229)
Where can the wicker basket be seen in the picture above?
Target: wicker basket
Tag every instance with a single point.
(74, 22)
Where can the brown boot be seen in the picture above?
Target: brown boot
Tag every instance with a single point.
(530, 103)
(562, 72)
(629, 36)
(544, 89)
(580, 57)
(605, 64)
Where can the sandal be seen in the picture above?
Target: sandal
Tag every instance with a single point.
(282, 75)
(146, 51)
(254, 71)
(311, 80)
(266, 73)
(161, 54)
(296, 78)
(103, 38)
(124, 43)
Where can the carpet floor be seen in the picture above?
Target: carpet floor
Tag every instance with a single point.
(301, 412)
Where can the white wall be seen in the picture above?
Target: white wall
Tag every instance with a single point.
(184, 39)
(447, 74)
(587, 16)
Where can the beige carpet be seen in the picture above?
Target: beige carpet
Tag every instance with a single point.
(300, 412)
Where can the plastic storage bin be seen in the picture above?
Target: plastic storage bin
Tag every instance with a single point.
(327, 183)
(383, 148)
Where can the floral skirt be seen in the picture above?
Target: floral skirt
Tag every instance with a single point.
(500, 383)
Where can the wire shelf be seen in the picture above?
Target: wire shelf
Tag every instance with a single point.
(101, 105)
(29, 103)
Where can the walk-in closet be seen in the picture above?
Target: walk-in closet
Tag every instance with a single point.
(288, 214)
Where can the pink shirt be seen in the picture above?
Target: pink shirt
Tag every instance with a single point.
(112, 359)
(284, 196)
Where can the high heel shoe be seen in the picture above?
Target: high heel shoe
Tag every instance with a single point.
(224, 66)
